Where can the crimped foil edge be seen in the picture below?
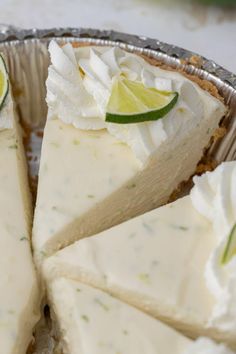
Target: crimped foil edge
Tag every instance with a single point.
(10, 33)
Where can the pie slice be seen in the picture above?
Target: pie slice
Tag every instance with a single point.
(91, 321)
(168, 262)
(95, 174)
(19, 297)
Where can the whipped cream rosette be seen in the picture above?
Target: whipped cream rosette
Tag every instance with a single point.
(214, 196)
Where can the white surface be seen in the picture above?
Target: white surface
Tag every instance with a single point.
(205, 30)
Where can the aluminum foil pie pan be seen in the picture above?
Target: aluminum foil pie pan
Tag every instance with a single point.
(28, 59)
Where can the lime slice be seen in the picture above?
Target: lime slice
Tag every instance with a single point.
(132, 102)
(4, 82)
(230, 248)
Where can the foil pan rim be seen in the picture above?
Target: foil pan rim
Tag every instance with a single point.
(10, 33)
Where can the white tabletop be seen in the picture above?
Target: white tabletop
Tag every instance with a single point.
(205, 30)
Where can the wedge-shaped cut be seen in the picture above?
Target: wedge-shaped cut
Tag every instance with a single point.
(91, 321)
(90, 180)
(19, 297)
(86, 182)
(155, 262)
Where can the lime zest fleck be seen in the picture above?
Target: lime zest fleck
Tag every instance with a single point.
(131, 186)
(76, 142)
(55, 144)
(144, 277)
(179, 227)
(121, 143)
(132, 235)
(100, 303)
(155, 263)
(81, 71)
(11, 312)
(13, 146)
(43, 253)
(230, 248)
(85, 318)
(101, 344)
(94, 136)
(24, 238)
(147, 227)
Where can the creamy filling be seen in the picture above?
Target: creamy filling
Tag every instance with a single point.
(214, 196)
(19, 291)
(79, 86)
(91, 321)
(19, 296)
(150, 275)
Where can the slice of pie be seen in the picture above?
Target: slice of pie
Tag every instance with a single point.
(19, 297)
(121, 135)
(177, 263)
(91, 321)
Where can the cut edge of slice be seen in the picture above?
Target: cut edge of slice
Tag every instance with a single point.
(230, 248)
(4, 81)
(143, 108)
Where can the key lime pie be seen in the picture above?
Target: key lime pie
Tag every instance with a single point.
(91, 321)
(121, 135)
(176, 263)
(19, 298)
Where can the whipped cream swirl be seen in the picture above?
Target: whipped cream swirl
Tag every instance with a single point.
(206, 346)
(79, 86)
(214, 196)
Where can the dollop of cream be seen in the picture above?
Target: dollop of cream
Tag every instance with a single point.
(206, 346)
(214, 196)
(79, 85)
